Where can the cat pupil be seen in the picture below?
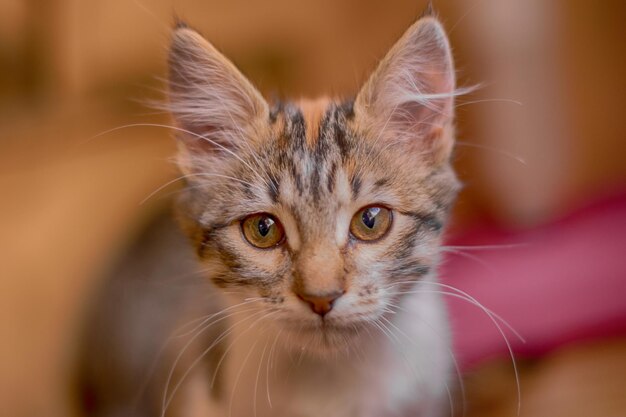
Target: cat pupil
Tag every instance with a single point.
(369, 216)
(264, 226)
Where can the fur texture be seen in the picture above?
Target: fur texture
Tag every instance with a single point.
(383, 348)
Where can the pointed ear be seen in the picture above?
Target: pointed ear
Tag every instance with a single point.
(208, 96)
(410, 97)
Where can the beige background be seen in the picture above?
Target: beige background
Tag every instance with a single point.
(72, 69)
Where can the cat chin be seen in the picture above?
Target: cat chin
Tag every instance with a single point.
(324, 340)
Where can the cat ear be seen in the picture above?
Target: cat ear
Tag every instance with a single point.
(212, 102)
(410, 97)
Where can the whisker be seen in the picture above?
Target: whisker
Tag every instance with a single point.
(495, 315)
(491, 100)
(179, 129)
(200, 174)
(469, 256)
(447, 388)
(267, 369)
(175, 335)
(462, 295)
(184, 349)
(492, 317)
(452, 357)
(241, 368)
(492, 149)
(487, 247)
(208, 317)
(222, 336)
(234, 341)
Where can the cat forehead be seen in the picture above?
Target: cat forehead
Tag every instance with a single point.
(315, 119)
(309, 125)
(315, 150)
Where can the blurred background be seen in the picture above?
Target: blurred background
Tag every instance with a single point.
(538, 236)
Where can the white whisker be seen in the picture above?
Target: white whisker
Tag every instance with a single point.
(200, 174)
(181, 130)
(492, 316)
(166, 401)
(269, 365)
(492, 149)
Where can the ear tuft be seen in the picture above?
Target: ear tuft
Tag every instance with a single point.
(429, 10)
(179, 23)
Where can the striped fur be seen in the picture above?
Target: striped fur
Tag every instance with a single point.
(313, 165)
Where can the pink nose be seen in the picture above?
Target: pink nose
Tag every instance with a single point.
(321, 304)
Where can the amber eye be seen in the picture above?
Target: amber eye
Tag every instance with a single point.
(262, 230)
(370, 223)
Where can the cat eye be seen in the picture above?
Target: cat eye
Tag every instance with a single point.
(370, 223)
(262, 230)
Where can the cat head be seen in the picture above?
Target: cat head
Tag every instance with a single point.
(317, 212)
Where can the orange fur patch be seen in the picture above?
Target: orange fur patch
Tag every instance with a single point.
(313, 112)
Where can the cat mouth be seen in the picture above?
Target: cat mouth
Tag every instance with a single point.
(326, 329)
(323, 336)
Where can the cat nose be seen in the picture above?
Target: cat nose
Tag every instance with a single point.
(321, 304)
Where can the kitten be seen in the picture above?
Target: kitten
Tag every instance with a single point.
(319, 224)
(320, 214)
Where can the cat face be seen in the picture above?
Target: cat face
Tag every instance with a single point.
(319, 211)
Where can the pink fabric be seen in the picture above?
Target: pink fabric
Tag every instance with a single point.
(561, 283)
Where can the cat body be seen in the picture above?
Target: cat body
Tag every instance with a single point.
(319, 225)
